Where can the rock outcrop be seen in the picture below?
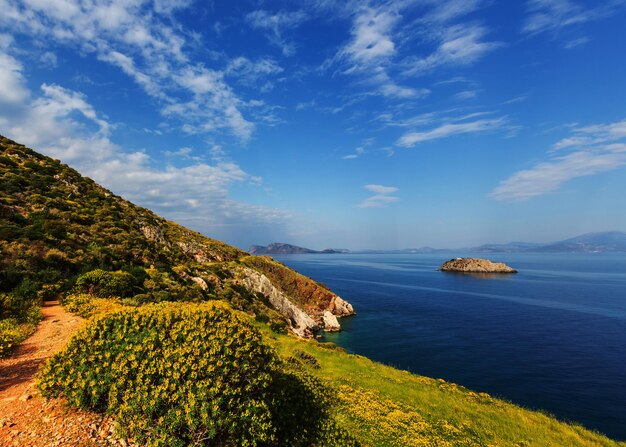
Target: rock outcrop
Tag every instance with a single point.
(153, 233)
(201, 282)
(341, 307)
(475, 265)
(330, 322)
(301, 323)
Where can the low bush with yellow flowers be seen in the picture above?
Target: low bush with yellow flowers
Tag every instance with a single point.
(13, 331)
(182, 374)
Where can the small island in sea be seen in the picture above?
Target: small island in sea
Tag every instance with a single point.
(475, 265)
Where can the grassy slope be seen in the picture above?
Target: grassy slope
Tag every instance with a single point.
(384, 406)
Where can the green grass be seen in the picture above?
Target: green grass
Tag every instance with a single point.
(383, 406)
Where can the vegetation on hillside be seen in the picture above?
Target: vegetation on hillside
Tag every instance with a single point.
(302, 290)
(191, 375)
(182, 354)
(63, 236)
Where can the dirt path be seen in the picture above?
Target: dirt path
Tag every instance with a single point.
(27, 419)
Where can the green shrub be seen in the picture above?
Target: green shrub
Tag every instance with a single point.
(10, 335)
(173, 375)
(79, 303)
(306, 358)
(18, 306)
(279, 326)
(107, 284)
(301, 406)
(14, 331)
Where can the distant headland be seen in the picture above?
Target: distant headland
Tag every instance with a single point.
(279, 248)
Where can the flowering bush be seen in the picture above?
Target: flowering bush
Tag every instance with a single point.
(172, 374)
(13, 331)
(10, 335)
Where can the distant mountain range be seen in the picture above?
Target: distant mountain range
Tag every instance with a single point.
(611, 241)
(603, 242)
(278, 248)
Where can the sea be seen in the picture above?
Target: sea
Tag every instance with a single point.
(551, 337)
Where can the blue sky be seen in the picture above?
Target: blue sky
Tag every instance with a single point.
(332, 124)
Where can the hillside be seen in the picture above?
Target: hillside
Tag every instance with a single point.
(57, 226)
(191, 341)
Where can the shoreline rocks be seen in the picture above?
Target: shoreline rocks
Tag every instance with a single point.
(303, 323)
(330, 322)
(475, 265)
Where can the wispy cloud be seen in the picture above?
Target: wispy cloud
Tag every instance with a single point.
(275, 25)
(466, 94)
(382, 197)
(367, 147)
(588, 151)
(370, 51)
(371, 36)
(151, 48)
(62, 123)
(459, 45)
(12, 89)
(554, 15)
(381, 33)
(253, 73)
(456, 128)
(516, 99)
(596, 134)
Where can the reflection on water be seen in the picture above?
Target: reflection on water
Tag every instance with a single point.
(482, 275)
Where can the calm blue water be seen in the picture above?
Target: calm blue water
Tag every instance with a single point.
(552, 337)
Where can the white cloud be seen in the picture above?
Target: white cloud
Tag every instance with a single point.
(459, 45)
(396, 91)
(169, 6)
(593, 135)
(380, 189)
(380, 35)
(592, 150)
(445, 11)
(249, 72)
(371, 36)
(371, 49)
(466, 94)
(445, 130)
(516, 99)
(275, 26)
(49, 59)
(62, 123)
(365, 148)
(553, 15)
(578, 42)
(12, 88)
(381, 198)
(142, 39)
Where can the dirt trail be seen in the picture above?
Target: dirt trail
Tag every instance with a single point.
(28, 420)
